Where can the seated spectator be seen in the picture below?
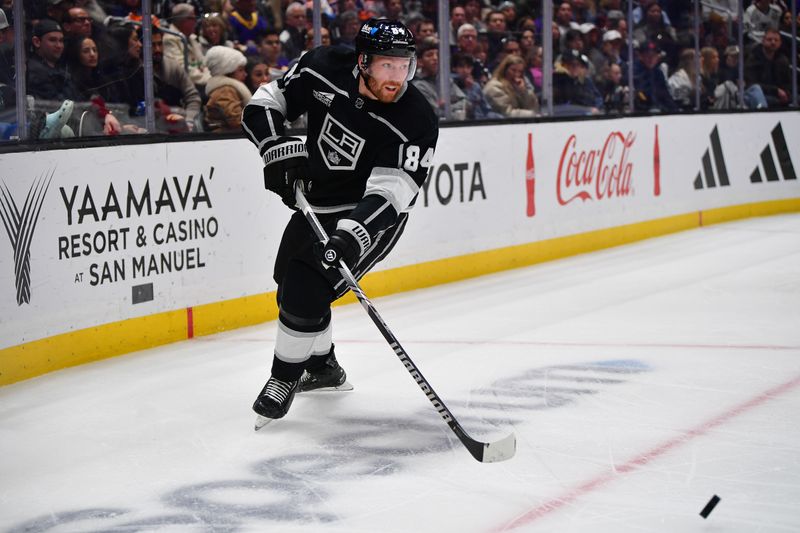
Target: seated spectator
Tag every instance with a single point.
(565, 22)
(57, 10)
(82, 59)
(477, 108)
(769, 70)
(121, 65)
(427, 81)
(395, 10)
(293, 36)
(533, 68)
(762, 15)
(177, 101)
(581, 13)
(654, 28)
(247, 23)
(95, 10)
(649, 81)
(573, 40)
(616, 21)
(183, 22)
(709, 77)
(527, 42)
(427, 28)
(510, 46)
(77, 23)
(472, 14)
(324, 37)
(257, 73)
(640, 14)
(509, 11)
(573, 89)
(270, 50)
(468, 45)
(227, 93)
(615, 91)
(729, 70)
(213, 32)
(682, 82)
(174, 87)
(611, 53)
(457, 18)
(527, 23)
(497, 30)
(347, 26)
(508, 93)
(591, 49)
(786, 27)
(48, 79)
(90, 86)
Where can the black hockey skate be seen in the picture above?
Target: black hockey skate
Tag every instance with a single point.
(328, 376)
(275, 398)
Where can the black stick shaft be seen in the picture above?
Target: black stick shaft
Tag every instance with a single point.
(475, 448)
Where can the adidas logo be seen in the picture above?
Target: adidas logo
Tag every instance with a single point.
(719, 162)
(768, 161)
(325, 98)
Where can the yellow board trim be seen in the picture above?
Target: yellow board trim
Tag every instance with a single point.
(39, 357)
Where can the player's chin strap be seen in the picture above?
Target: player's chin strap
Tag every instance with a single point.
(485, 452)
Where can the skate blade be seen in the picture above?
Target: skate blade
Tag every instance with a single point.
(262, 421)
(344, 387)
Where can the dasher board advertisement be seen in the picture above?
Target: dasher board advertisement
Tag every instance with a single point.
(98, 235)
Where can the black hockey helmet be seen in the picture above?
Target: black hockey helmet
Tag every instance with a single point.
(385, 37)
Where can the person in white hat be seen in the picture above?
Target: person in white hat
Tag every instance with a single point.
(611, 49)
(227, 93)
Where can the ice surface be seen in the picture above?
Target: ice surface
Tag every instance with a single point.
(640, 381)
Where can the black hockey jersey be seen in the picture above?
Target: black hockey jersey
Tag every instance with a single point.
(367, 159)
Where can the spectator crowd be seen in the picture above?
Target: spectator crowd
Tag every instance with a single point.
(85, 69)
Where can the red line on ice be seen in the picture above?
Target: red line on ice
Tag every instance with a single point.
(645, 458)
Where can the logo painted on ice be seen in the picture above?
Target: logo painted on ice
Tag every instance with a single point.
(20, 226)
(342, 146)
(595, 174)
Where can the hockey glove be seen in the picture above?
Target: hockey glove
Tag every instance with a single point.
(341, 245)
(285, 162)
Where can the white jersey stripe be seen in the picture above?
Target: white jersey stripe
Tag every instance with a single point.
(389, 125)
(323, 79)
(393, 184)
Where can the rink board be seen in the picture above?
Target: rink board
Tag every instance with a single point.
(115, 249)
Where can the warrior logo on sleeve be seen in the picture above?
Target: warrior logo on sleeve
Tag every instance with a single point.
(340, 147)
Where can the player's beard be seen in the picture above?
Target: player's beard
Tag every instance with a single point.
(380, 92)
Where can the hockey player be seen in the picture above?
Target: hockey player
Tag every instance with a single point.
(370, 142)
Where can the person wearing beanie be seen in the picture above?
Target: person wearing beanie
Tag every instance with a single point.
(227, 93)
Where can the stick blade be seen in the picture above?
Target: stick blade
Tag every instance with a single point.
(500, 450)
(261, 421)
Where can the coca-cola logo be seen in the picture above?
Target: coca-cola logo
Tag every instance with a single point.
(595, 174)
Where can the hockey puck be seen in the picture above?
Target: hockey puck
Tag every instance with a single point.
(709, 506)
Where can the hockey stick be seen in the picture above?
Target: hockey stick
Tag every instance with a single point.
(485, 452)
